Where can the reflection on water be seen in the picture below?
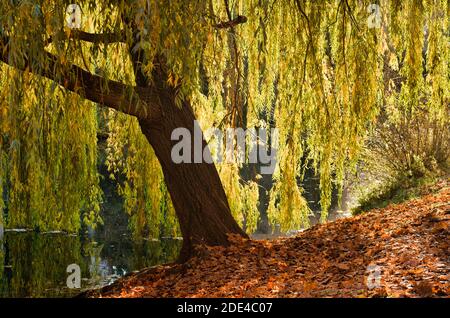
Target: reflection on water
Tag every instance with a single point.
(34, 265)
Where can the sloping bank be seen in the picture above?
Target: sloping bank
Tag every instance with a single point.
(399, 251)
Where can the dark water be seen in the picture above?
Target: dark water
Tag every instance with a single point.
(35, 265)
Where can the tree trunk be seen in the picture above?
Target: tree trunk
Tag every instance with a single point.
(195, 188)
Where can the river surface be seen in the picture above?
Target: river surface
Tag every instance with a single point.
(35, 265)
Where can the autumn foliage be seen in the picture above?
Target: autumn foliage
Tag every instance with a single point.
(409, 242)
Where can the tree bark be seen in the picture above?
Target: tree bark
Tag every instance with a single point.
(195, 188)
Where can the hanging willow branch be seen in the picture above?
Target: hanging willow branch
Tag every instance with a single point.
(232, 23)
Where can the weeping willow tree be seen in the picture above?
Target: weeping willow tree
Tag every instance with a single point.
(317, 67)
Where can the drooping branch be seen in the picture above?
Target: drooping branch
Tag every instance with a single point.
(92, 37)
(110, 93)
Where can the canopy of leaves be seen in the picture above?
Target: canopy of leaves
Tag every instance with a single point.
(315, 70)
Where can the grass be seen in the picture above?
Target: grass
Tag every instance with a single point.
(398, 191)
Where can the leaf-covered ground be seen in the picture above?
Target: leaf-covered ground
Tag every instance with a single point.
(399, 251)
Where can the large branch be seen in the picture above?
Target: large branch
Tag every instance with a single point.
(110, 93)
(91, 37)
(231, 23)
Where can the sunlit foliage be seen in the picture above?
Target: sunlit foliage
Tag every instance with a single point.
(146, 200)
(320, 63)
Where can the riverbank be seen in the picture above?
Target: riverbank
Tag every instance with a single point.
(402, 250)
